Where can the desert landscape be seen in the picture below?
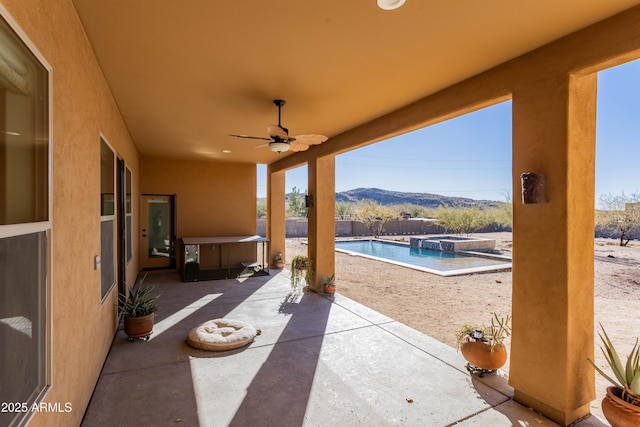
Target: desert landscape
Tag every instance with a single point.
(438, 306)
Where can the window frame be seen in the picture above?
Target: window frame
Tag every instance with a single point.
(20, 229)
(128, 212)
(111, 217)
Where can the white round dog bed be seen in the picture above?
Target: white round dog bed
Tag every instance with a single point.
(221, 335)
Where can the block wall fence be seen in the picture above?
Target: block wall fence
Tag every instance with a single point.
(355, 228)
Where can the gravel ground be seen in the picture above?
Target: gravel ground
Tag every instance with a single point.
(437, 306)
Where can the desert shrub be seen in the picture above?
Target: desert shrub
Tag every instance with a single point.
(501, 216)
(296, 205)
(374, 216)
(463, 220)
(619, 217)
(261, 208)
(416, 211)
(345, 210)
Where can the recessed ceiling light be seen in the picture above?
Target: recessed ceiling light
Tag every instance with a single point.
(390, 4)
(7, 132)
(226, 151)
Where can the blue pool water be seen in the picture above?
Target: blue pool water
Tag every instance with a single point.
(427, 259)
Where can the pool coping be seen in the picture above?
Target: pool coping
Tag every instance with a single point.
(459, 272)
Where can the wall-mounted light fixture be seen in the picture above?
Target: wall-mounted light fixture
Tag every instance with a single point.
(534, 188)
(390, 4)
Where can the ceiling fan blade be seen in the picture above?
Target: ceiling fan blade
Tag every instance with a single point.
(298, 146)
(262, 145)
(310, 139)
(251, 137)
(277, 131)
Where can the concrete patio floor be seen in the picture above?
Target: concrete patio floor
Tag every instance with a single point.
(320, 361)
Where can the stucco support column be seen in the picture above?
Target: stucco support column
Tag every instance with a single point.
(276, 208)
(322, 214)
(553, 255)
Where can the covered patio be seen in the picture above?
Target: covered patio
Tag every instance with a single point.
(319, 361)
(144, 104)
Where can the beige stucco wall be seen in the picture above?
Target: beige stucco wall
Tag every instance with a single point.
(82, 109)
(553, 91)
(213, 198)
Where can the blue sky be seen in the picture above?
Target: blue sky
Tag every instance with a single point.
(470, 156)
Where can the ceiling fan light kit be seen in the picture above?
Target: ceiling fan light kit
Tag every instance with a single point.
(279, 139)
(279, 147)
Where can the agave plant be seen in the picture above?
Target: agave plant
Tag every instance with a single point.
(627, 375)
(139, 302)
(329, 281)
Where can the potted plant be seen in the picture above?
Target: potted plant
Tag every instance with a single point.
(278, 261)
(329, 284)
(138, 307)
(301, 268)
(621, 404)
(483, 346)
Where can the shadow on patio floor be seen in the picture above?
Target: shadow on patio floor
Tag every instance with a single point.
(320, 361)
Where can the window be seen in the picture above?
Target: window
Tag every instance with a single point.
(128, 214)
(25, 227)
(107, 218)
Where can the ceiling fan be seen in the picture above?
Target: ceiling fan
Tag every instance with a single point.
(280, 141)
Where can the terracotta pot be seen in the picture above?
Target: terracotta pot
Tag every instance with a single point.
(136, 327)
(478, 354)
(329, 289)
(279, 263)
(618, 412)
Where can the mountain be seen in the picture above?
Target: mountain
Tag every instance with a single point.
(386, 197)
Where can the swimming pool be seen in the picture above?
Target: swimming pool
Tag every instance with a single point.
(431, 261)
